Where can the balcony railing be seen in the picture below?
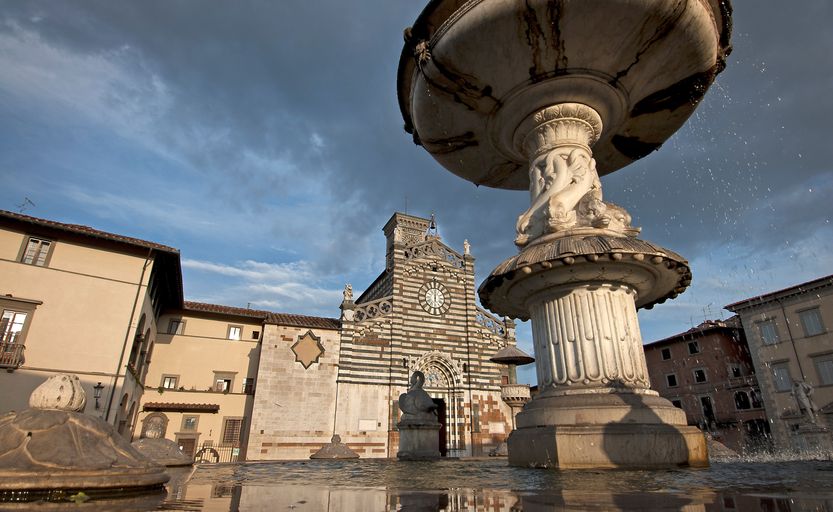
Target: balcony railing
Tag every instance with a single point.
(515, 393)
(11, 355)
(745, 381)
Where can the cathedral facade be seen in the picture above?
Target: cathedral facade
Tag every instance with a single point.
(419, 314)
(229, 383)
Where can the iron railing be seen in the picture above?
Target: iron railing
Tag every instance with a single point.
(217, 454)
(11, 355)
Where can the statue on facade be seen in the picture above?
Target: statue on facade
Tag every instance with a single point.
(466, 247)
(416, 405)
(348, 292)
(802, 393)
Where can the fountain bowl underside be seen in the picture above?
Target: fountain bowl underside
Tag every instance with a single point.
(472, 72)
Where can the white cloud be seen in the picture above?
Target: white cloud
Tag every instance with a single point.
(257, 271)
(292, 287)
(130, 208)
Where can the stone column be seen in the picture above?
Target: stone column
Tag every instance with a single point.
(586, 338)
(579, 277)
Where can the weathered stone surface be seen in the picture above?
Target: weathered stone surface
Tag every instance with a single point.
(419, 429)
(162, 451)
(612, 445)
(335, 449)
(416, 405)
(419, 441)
(53, 449)
(61, 391)
(643, 66)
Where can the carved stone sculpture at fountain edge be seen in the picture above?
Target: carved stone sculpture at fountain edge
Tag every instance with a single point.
(550, 95)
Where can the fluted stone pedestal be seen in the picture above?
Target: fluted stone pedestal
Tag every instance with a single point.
(595, 408)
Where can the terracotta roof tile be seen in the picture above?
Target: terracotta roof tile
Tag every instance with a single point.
(303, 321)
(174, 407)
(87, 231)
(269, 317)
(224, 310)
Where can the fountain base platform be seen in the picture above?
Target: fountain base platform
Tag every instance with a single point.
(616, 445)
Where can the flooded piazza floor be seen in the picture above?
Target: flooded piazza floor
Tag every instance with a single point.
(487, 485)
(491, 485)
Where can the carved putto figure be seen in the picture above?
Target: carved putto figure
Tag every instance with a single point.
(566, 193)
(802, 393)
(564, 186)
(417, 405)
(348, 292)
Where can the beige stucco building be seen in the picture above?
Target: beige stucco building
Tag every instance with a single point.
(790, 341)
(79, 300)
(230, 383)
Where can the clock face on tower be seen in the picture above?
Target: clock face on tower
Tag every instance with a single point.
(434, 298)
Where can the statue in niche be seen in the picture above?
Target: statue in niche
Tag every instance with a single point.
(348, 292)
(154, 426)
(417, 405)
(803, 393)
(566, 193)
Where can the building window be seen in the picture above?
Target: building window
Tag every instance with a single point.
(169, 381)
(14, 324)
(37, 251)
(781, 377)
(232, 428)
(189, 423)
(666, 354)
(811, 322)
(708, 409)
(824, 368)
(742, 401)
(768, 332)
(249, 386)
(700, 375)
(223, 381)
(11, 327)
(234, 332)
(734, 370)
(677, 403)
(693, 347)
(671, 380)
(176, 327)
(255, 335)
(755, 395)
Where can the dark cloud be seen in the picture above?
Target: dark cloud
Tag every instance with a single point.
(294, 103)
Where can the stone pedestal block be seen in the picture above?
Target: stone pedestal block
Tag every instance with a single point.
(813, 439)
(419, 441)
(607, 446)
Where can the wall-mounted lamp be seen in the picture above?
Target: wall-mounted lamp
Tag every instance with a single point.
(97, 393)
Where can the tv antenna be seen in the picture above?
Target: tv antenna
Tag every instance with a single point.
(24, 205)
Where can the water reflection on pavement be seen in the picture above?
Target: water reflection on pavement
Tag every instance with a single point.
(491, 485)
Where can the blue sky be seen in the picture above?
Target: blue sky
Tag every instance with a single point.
(263, 140)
